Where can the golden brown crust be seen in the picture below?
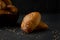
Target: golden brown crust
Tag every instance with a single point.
(30, 21)
(2, 5)
(8, 2)
(12, 8)
(6, 5)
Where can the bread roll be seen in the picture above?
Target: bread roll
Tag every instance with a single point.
(30, 21)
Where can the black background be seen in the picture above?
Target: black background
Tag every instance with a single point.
(37, 5)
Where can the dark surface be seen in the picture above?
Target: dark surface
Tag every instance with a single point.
(53, 33)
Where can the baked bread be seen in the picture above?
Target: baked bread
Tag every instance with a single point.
(30, 21)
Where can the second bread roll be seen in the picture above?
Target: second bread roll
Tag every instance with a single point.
(42, 26)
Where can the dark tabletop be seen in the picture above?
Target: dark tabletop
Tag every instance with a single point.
(53, 33)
